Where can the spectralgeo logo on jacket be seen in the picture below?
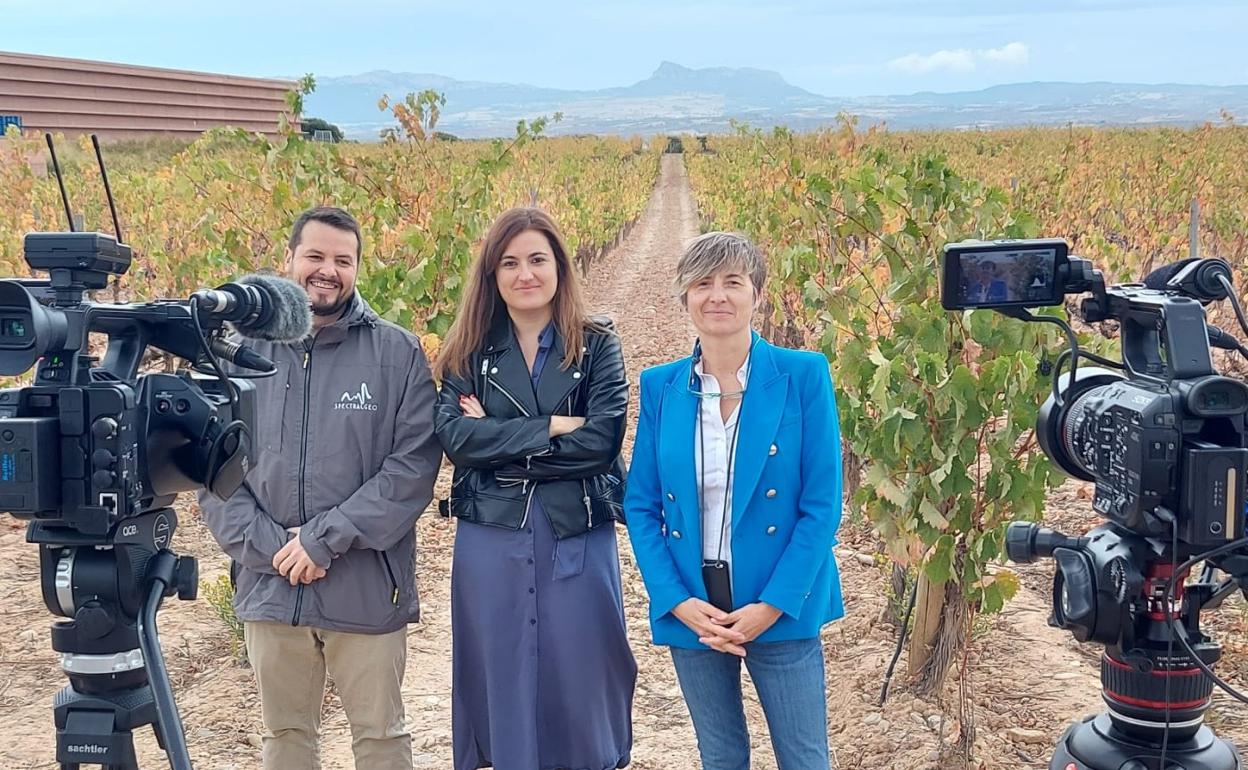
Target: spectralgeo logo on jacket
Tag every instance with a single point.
(356, 401)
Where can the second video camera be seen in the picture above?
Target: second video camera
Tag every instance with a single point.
(1164, 437)
(1163, 431)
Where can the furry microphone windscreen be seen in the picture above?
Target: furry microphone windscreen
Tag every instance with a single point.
(290, 317)
(1162, 275)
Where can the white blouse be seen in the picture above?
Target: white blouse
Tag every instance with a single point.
(714, 491)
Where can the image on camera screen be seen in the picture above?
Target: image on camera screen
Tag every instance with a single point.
(997, 278)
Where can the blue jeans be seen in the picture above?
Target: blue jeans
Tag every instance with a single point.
(789, 679)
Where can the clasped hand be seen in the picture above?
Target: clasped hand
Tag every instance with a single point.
(726, 632)
(293, 562)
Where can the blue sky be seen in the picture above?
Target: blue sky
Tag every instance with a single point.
(846, 48)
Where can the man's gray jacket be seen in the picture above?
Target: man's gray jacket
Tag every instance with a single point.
(345, 450)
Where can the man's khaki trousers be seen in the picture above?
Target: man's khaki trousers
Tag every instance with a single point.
(291, 663)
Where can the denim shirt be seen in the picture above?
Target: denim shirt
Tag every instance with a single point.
(545, 341)
(569, 555)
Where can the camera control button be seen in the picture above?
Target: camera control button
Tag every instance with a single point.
(104, 428)
(102, 458)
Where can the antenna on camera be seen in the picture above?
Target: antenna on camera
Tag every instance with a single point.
(60, 181)
(1193, 230)
(108, 191)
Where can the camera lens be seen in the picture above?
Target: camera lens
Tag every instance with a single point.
(1080, 433)
(1070, 431)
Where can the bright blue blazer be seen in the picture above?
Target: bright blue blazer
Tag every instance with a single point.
(786, 495)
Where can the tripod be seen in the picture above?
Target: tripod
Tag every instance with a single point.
(1153, 699)
(111, 588)
(1110, 586)
(1099, 744)
(1149, 691)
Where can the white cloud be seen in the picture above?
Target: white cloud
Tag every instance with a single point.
(961, 59)
(1015, 54)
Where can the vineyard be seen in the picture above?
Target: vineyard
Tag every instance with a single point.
(225, 204)
(936, 408)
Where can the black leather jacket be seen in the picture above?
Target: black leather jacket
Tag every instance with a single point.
(505, 458)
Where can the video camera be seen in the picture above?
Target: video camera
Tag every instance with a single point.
(1164, 437)
(93, 455)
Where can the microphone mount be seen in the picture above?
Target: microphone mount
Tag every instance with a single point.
(241, 355)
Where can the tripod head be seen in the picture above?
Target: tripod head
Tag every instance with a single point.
(1110, 587)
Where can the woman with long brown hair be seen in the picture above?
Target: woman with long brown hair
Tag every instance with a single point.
(531, 412)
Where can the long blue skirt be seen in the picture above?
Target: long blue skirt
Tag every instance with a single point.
(542, 674)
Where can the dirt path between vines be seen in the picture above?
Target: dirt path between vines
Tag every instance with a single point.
(1024, 674)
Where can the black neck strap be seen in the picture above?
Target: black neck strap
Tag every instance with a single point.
(732, 453)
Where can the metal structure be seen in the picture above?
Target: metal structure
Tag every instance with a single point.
(122, 101)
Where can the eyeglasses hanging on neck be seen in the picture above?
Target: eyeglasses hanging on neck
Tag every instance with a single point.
(694, 385)
(708, 395)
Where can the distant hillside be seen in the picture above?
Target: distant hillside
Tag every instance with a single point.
(677, 98)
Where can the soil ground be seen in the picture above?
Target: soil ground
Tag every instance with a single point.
(1025, 677)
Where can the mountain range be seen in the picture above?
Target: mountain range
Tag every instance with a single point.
(681, 99)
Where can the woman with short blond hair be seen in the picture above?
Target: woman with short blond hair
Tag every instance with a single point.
(733, 502)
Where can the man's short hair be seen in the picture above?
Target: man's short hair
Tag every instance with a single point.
(332, 216)
(712, 252)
